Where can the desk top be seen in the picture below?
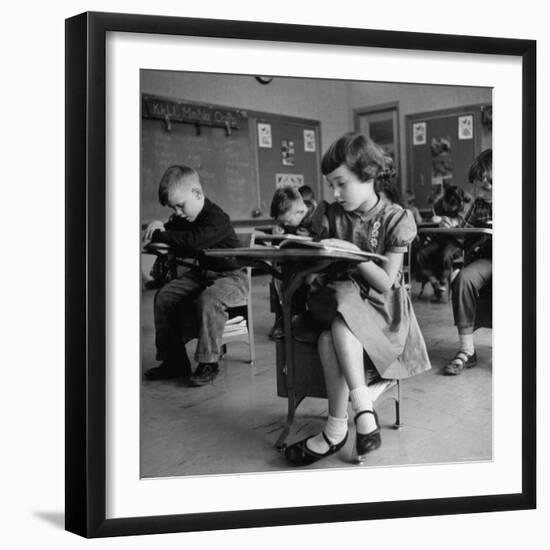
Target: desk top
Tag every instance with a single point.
(455, 231)
(286, 255)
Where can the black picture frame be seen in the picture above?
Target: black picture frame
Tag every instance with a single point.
(86, 262)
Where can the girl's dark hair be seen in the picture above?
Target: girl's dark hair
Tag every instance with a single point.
(283, 199)
(482, 166)
(174, 176)
(389, 187)
(361, 155)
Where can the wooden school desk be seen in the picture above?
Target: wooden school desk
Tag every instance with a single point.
(454, 231)
(291, 266)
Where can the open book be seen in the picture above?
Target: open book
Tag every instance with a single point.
(300, 241)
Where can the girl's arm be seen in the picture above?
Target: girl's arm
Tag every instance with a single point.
(382, 277)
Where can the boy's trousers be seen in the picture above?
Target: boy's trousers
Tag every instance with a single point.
(466, 287)
(195, 306)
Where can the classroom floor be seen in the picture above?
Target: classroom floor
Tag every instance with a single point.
(231, 425)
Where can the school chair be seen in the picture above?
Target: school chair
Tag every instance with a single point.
(240, 325)
(308, 372)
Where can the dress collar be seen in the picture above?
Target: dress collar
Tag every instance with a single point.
(365, 216)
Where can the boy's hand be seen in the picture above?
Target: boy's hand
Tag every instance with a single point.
(147, 234)
(277, 230)
(447, 222)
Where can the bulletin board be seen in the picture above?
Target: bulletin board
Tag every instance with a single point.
(441, 147)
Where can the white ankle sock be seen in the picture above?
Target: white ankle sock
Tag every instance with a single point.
(466, 343)
(335, 429)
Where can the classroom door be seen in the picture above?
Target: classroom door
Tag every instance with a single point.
(381, 124)
(288, 154)
(442, 149)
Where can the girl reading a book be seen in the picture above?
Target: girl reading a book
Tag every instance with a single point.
(368, 330)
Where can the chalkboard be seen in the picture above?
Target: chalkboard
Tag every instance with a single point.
(214, 141)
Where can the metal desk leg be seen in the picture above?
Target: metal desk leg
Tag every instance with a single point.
(292, 401)
(398, 425)
(280, 445)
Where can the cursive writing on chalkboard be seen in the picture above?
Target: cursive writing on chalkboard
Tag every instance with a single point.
(177, 111)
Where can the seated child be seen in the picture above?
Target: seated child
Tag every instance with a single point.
(291, 212)
(195, 303)
(364, 314)
(435, 259)
(477, 272)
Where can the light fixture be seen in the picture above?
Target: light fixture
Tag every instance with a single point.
(264, 79)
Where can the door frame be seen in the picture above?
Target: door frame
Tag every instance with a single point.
(380, 108)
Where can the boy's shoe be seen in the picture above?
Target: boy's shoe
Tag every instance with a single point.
(165, 372)
(205, 373)
(461, 361)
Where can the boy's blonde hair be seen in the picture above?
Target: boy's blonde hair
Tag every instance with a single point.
(177, 175)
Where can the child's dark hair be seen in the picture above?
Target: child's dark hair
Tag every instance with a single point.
(174, 176)
(452, 200)
(307, 192)
(482, 166)
(283, 199)
(389, 187)
(361, 155)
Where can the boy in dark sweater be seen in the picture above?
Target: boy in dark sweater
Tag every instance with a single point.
(193, 305)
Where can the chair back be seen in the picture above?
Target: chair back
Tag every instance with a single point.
(407, 269)
(247, 335)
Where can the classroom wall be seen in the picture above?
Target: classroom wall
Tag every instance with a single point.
(415, 98)
(302, 98)
(332, 103)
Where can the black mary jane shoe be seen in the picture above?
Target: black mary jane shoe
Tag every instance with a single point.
(299, 455)
(365, 443)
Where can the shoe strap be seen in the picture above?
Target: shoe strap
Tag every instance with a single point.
(329, 442)
(462, 356)
(373, 412)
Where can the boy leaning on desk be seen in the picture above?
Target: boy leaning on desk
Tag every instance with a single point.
(294, 211)
(194, 304)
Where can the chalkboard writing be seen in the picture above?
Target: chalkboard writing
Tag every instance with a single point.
(203, 115)
(225, 164)
(235, 174)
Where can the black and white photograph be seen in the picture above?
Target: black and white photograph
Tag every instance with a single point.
(345, 322)
(264, 291)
